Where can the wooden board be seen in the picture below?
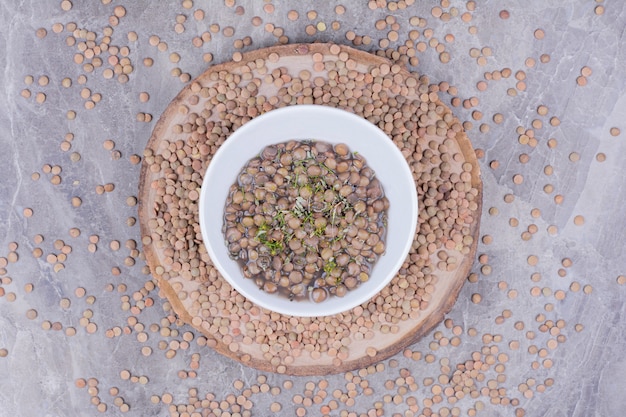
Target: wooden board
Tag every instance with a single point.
(194, 292)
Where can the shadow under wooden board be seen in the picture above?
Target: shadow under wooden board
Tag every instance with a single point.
(408, 109)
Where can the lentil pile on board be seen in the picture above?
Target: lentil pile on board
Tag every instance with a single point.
(405, 107)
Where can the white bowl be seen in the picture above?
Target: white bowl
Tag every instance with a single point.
(326, 124)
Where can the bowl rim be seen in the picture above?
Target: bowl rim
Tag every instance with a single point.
(233, 142)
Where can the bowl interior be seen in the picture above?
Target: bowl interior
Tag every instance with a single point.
(327, 124)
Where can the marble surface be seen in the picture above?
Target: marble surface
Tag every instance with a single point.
(564, 275)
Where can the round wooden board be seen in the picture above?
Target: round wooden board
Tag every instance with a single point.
(193, 296)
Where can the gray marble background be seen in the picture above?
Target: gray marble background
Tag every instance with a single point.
(38, 374)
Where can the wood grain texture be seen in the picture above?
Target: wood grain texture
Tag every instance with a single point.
(362, 352)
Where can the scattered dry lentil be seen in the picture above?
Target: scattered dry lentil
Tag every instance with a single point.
(437, 12)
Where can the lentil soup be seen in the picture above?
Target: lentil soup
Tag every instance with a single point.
(306, 220)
